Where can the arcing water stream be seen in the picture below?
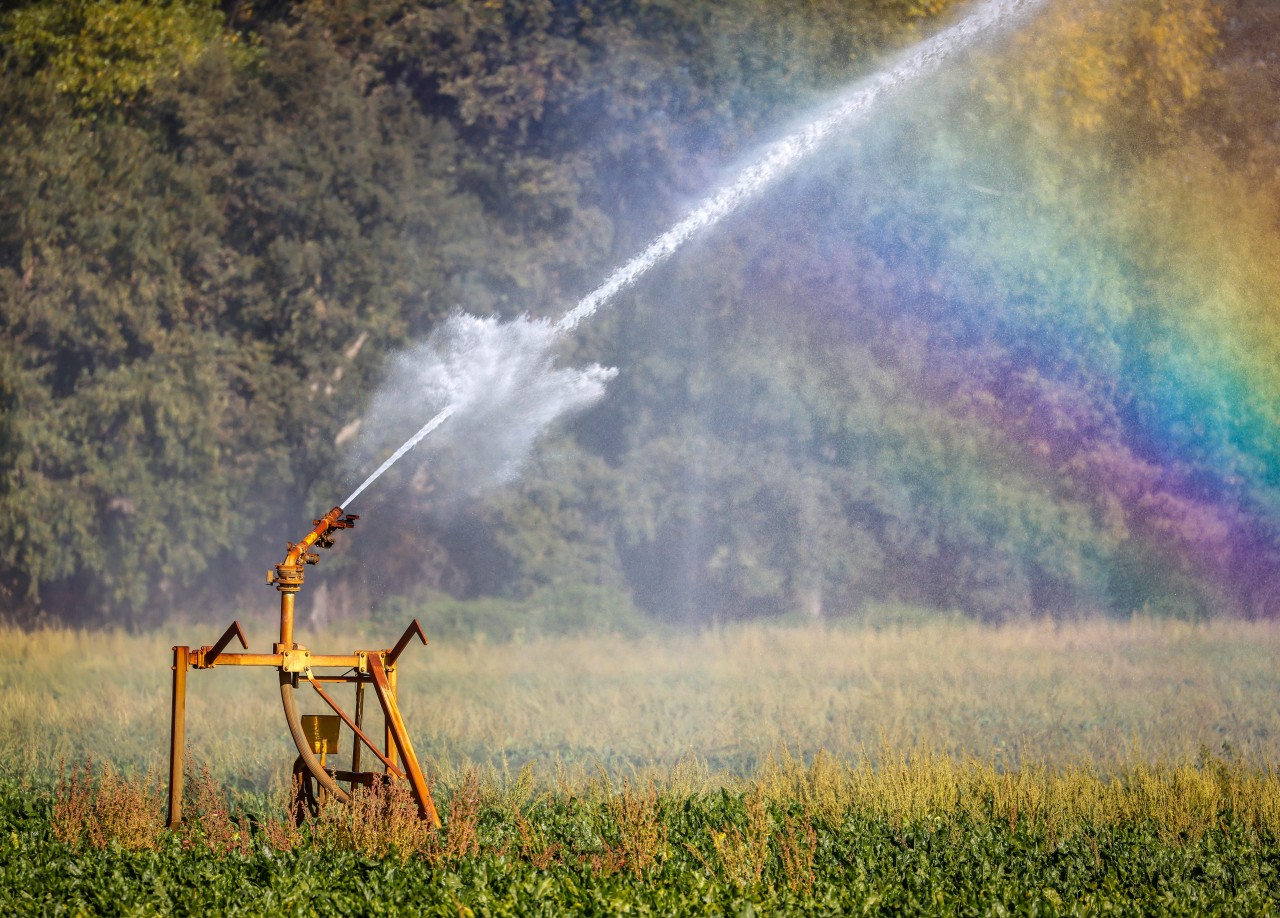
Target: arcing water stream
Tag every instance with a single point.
(472, 368)
(408, 445)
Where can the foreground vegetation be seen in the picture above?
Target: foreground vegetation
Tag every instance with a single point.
(921, 835)
(1038, 769)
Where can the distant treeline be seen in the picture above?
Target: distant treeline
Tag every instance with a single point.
(1012, 347)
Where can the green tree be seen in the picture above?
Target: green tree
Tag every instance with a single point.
(106, 53)
(188, 300)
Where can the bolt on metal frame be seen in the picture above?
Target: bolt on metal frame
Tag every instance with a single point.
(297, 664)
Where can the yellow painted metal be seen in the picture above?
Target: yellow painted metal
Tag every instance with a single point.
(395, 723)
(390, 738)
(288, 576)
(286, 619)
(277, 660)
(356, 728)
(297, 660)
(177, 734)
(324, 731)
(312, 734)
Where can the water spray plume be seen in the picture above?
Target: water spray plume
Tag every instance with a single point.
(775, 160)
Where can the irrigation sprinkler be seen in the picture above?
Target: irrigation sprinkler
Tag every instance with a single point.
(320, 734)
(316, 736)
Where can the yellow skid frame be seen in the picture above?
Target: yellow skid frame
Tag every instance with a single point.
(296, 664)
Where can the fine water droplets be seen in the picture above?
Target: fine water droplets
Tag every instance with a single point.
(496, 383)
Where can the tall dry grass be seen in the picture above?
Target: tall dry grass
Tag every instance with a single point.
(762, 831)
(1181, 799)
(1090, 695)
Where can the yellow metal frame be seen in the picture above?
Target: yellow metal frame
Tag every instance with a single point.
(297, 664)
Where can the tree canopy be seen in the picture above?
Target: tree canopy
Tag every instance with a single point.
(1010, 347)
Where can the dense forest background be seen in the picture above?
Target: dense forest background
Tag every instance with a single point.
(1011, 348)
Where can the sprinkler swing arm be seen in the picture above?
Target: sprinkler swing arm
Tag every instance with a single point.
(297, 664)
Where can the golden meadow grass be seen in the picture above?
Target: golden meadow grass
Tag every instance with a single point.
(785, 809)
(1052, 726)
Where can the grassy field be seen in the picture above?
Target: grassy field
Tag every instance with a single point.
(945, 768)
(1097, 693)
(923, 835)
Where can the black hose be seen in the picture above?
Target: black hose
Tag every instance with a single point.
(304, 745)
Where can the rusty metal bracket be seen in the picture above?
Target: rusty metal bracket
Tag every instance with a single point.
(295, 660)
(207, 657)
(414, 629)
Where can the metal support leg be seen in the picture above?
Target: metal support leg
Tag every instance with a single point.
(177, 734)
(400, 735)
(356, 744)
(390, 678)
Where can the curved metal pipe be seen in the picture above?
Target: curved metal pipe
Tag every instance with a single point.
(288, 574)
(323, 526)
(304, 745)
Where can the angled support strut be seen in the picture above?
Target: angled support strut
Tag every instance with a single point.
(395, 725)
